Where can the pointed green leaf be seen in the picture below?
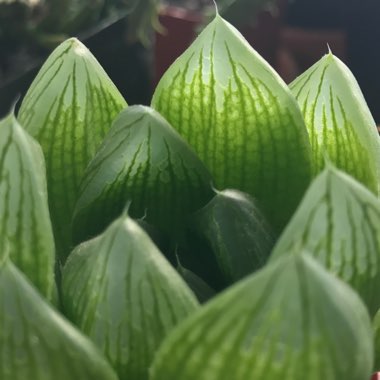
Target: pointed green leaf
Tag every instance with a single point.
(25, 227)
(339, 122)
(338, 222)
(145, 161)
(237, 233)
(240, 118)
(36, 342)
(69, 108)
(121, 291)
(293, 321)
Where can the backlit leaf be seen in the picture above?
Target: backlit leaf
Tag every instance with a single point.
(68, 109)
(339, 122)
(240, 118)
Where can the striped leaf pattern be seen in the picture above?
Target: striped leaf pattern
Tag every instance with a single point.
(121, 292)
(68, 109)
(145, 161)
(36, 342)
(25, 228)
(292, 320)
(339, 122)
(237, 233)
(338, 222)
(240, 118)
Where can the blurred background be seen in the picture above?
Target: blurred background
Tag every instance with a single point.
(136, 40)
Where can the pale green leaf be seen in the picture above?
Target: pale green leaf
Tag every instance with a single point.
(291, 321)
(36, 342)
(240, 118)
(120, 290)
(338, 222)
(25, 228)
(340, 125)
(68, 109)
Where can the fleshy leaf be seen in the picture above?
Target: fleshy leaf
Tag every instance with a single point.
(338, 222)
(292, 320)
(68, 109)
(121, 291)
(339, 122)
(237, 233)
(25, 228)
(36, 342)
(240, 118)
(145, 161)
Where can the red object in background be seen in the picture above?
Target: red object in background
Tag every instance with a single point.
(376, 376)
(180, 25)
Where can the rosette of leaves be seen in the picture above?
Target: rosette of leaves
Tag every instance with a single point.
(338, 222)
(236, 233)
(68, 109)
(25, 227)
(145, 161)
(36, 342)
(292, 320)
(241, 119)
(339, 122)
(121, 292)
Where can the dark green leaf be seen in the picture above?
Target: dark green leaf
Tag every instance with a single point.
(237, 233)
(145, 161)
(200, 288)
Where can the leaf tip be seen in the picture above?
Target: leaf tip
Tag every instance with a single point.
(216, 8)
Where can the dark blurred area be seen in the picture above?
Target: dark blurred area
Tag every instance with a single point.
(290, 34)
(114, 30)
(352, 29)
